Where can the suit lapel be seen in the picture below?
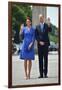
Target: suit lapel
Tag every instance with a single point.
(43, 28)
(39, 27)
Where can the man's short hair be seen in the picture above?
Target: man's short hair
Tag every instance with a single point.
(40, 15)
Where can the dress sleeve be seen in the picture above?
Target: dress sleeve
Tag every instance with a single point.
(33, 38)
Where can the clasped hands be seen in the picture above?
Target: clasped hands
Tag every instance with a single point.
(41, 43)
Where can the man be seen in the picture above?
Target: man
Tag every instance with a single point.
(43, 42)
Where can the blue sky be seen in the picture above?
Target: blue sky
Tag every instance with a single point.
(52, 12)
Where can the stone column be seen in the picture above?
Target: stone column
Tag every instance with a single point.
(36, 10)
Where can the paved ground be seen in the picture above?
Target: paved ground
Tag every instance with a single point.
(18, 71)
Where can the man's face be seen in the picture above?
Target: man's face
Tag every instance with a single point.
(41, 19)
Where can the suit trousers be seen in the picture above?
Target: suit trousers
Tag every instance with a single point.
(43, 59)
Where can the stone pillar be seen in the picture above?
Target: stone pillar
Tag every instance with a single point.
(36, 10)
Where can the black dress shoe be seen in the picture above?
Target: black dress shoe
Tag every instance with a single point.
(45, 76)
(40, 77)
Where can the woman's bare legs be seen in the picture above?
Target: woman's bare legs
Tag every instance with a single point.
(29, 68)
(25, 67)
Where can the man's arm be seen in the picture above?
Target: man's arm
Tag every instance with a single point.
(49, 28)
(49, 24)
(37, 37)
(36, 34)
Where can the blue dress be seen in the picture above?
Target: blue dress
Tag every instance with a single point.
(29, 36)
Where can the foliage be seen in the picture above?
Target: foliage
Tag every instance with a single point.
(19, 15)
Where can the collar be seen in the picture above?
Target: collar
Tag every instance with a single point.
(41, 23)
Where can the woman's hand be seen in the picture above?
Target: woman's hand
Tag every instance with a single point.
(21, 28)
(30, 45)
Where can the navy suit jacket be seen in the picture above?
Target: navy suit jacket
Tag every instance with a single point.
(43, 36)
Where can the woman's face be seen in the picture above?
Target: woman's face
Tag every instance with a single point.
(28, 22)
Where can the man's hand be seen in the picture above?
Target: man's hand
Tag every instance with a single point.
(41, 43)
(48, 22)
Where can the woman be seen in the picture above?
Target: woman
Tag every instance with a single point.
(27, 52)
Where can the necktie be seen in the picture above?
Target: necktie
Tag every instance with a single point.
(42, 25)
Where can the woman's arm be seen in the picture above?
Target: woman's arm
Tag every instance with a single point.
(21, 34)
(21, 28)
(33, 40)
